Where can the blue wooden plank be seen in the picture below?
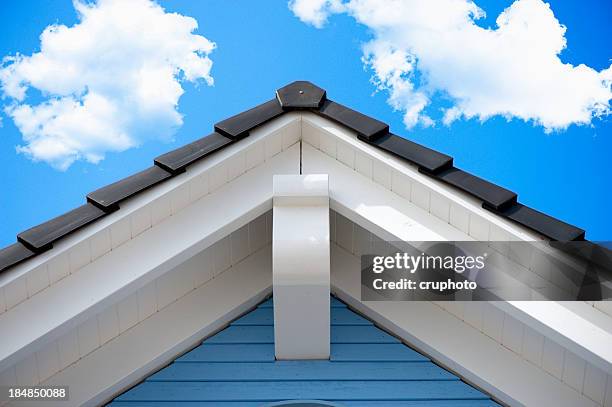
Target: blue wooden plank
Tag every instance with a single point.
(265, 334)
(319, 390)
(334, 303)
(230, 353)
(381, 352)
(187, 404)
(344, 316)
(419, 403)
(301, 370)
(345, 403)
(265, 316)
(243, 334)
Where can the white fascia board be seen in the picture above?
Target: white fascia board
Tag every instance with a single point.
(130, 205)
(374, 207)
(127, 268)
(461, 198)
(454, 344)
(149, 345)
(568, 324)
(391, 217)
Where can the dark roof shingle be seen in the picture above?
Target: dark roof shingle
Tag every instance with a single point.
(300, 95)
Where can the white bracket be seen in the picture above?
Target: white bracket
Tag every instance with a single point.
(301, 266)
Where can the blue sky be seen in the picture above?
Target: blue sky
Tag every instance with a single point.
(564, 172)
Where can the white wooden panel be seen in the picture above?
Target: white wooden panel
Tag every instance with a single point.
(58, 267)
(328, 145)
(255, 155)
(27, 373)
(459, 218)
(492, 322)
(135, 354)
(162, 208)
(47, 361)
(344, 232)
(147, 301)
(479, 228)
(373, 207)
(37, 280)
(198, 187)
(346, 154)
(439, 207)
(181, 197)
(138, 261)
(533, 346)
(473, 314)
(594, 383)
(381, 174)
(218, 177)
(121, 232)
(363, 164)
(401, 185)
(15, 292)
(240, 244)
(425, 326)
(8, 377)
(2, 300)
(221, 255)
(310, 134)
(419, 195)
(257, 233)
(108, 324)
(80, 256)
(573, 371)
(552, 358)
(273, 145)
(100, 243)
(127, 310)
(68, 349)
(141, 221)
(608, 398)
(89, 337)
(513, 334)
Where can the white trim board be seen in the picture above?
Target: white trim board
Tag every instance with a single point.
(393, 217)
(473, 355)
(140, 260)
(144, 348)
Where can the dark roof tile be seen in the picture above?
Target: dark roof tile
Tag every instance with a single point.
(239, 126)
(108, 197)
(13, 254)
(40, 238)
(365, 126)
(374, 132)
(493, 195)
(177, 160)
(426, 158)
(540, 222)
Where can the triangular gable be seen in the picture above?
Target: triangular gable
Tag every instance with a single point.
(367, 367)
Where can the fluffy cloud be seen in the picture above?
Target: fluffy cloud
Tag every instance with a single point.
(426, 49)
(108, 83)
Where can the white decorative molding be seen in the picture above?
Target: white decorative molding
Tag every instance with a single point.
(301, 266)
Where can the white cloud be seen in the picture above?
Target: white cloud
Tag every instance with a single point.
(426, 49)
(108, 83)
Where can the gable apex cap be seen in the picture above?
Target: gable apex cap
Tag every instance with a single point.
(301, 95)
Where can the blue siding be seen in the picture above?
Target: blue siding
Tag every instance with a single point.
(368, 367)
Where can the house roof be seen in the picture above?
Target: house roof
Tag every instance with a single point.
(367, 367)
(299, 95)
